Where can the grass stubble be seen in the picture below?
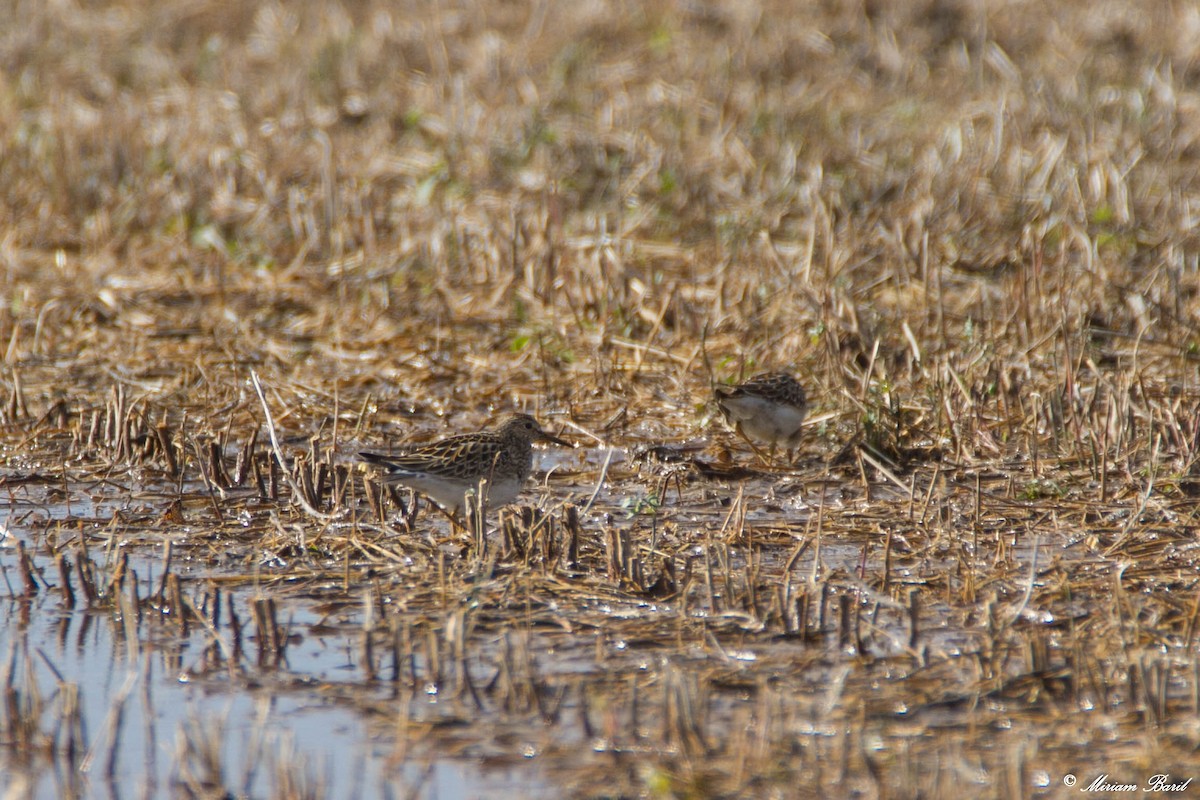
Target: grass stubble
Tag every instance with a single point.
(968, 227)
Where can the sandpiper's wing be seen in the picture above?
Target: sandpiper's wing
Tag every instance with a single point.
(467, 456)
(778, 387)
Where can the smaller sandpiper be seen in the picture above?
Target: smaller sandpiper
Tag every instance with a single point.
(768, 407)
(450, 470)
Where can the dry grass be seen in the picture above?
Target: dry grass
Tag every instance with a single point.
(969, 227)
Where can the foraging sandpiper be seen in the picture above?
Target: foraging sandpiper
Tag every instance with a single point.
(769, 407)
(449, 470)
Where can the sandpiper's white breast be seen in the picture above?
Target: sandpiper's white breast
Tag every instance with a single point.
(764, 419)
(452, 494)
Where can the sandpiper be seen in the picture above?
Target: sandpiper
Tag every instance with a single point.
(769, 407)
(449, 470)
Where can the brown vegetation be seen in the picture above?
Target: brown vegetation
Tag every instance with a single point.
(969, 228)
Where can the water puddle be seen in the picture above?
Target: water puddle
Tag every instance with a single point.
(218, 645)
(153, 715)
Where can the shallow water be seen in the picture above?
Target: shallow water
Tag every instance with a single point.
(157, 710)
(135, 706)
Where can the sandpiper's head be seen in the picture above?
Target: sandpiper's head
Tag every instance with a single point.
(525, 427)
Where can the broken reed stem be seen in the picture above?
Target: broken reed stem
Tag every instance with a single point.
(272, 640)
(64, 580)
(168, 549)
(163, 434)
(27, 570)
(297, 494)
(208, 487)
(887, 560)
(572, 532)
(368, 624)
(599, 480)
(914, 615)
(87, 583)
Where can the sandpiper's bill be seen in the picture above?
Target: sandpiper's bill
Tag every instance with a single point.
(768, 407)
(449, 470)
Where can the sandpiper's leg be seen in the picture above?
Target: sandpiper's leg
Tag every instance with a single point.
(793, 447)
(409, 511)
(476, 521)
(758, 452)
(455, 522)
